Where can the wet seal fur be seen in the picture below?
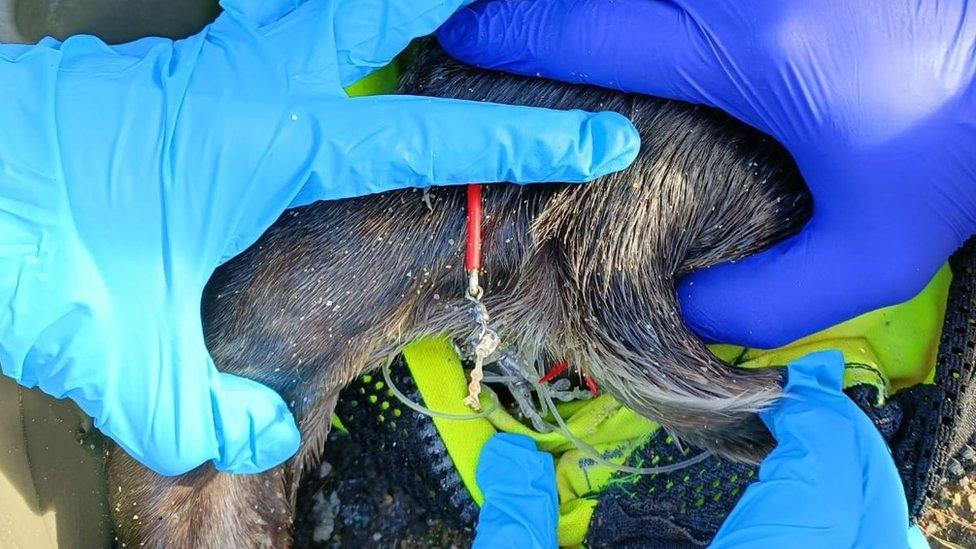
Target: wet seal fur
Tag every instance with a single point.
(334, 289)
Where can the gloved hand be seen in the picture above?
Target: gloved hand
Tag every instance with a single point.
(521, 507)
(830, 481)
(128, 173)
(875, 100)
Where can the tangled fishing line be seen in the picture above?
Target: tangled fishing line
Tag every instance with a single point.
(514, 376)
(548, 409)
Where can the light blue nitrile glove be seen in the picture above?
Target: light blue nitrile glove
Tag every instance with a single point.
(129, 173)
(521, 508)
(830, 481)
(875, 99)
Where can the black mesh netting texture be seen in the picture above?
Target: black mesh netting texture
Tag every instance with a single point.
(406, 444)
(929, 428)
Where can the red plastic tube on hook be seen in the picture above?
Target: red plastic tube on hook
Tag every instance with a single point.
(472, 254)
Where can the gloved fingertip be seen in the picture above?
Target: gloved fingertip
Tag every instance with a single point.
(514, 458)
(273, 445)
(521, 504)
(460, 35)
(755, 301)
(255, 429)
(694, 295)
(500, 440)
(615, 143)
(822, 370)
(916, 539)
(818, 376)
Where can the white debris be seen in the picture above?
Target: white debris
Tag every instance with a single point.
(325, 512)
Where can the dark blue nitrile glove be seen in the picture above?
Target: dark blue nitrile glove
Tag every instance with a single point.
(129, 173)
(830, 481)
(521, 508)
(875, 100)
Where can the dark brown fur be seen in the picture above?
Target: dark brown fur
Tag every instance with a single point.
(334, 289)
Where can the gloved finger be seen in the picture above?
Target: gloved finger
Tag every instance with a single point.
(255, 429)
(375, 144)
(654, 47)
(370, 33)
(299, 44)
(319, 39)
(831, 479)
(259, 12)
(832, 271)
(521, 506)
(916, 539)
(341, 148)
(177, 412)
(810, 486)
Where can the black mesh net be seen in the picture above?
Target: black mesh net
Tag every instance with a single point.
(407, 444)
(679, 509)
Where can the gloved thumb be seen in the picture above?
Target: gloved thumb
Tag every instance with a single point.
(255, 429)
(176, 411)
(835, 269)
